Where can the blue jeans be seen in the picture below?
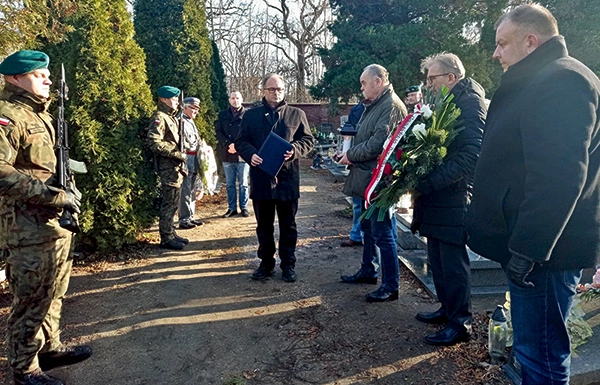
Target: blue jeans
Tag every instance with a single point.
(236, 171)
(380, 244)
(356, 233)
(539, 314)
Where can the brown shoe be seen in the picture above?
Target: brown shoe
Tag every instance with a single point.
(350, 243)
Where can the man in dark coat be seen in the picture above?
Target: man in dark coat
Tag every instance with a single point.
(442, 200)
(280, 193)
(536, 197)
(228, 127)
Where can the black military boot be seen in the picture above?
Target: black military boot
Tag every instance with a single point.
(183, 240)
(37, 377)
(173, 244)
(64, 356)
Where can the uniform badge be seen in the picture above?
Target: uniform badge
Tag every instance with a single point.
(4, 122)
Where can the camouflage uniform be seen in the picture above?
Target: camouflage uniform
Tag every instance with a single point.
(35, 246)
(163, 140)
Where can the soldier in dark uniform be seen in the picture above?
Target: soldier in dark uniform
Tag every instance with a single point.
(36, 248)
(163, 140)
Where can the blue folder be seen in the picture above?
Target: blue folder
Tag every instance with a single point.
(272, 152)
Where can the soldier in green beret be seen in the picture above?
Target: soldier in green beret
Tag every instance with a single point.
(163, 139)
(35, 247)
(414, 96)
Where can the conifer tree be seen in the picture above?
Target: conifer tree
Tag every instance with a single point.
(108, 106)
(217, 82)
(178, 51)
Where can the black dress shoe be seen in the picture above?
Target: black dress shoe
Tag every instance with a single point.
(173, 244)
(289, 275)
(262, 273)
(64, 356)
(436, 317)
(447, 337)
(245, 213)
(359, 277)
(230, 213)
(197, 222)
(382, 295)
(37, 377)
(187, 225)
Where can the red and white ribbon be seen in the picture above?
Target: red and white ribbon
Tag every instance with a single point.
(392, 143)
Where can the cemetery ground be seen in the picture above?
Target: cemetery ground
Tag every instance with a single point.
(195, 317)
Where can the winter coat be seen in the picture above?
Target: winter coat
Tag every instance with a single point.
(288, 122)
(227, 127)
(443, 195)
(537, 183)
(380, 117)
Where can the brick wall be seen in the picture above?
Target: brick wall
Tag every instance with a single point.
(318, 114)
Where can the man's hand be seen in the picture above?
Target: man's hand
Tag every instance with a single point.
(345, 160)
(518, 269)
(181, 156)
(73, 202)
(255, 160)
(231, 148)
(288, 154)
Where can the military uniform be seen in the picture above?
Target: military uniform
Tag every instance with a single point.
(163, 140)
(35, 246)
(191, 139)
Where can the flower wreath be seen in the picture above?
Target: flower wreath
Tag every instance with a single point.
(418, 145)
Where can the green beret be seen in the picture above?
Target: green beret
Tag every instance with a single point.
(23, 62)
(168, 92)
(413, 89)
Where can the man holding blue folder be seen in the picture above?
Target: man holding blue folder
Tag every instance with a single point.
(275, 188)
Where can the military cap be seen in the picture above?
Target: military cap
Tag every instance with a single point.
(192, 102)
(413, 89)
(22, 62)
(168, 92)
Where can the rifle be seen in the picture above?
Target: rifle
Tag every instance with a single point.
(63, 167)
(184, 167)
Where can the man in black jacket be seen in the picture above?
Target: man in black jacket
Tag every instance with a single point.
(536, 197)
(275, 194)
(227, 127)
(441, 203)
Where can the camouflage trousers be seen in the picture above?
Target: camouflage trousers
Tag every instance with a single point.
(38, 277)
(168, 208)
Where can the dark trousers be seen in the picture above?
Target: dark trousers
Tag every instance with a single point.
(264, 211)
(452, 278)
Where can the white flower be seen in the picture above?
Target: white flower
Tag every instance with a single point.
(426, 111)
(419, 131)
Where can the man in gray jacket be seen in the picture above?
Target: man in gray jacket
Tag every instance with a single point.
(383, 111)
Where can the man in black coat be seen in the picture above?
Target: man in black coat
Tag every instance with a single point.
(270, 194)
(536, 197)
(227, 128)
(442, 199)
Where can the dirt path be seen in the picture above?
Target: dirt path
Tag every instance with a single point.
(195, 317)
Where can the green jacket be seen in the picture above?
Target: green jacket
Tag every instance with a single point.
(29, 210)
(380, 117)
(163, 141)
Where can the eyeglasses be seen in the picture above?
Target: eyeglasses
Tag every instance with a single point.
(273, 90)
(431, 78)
